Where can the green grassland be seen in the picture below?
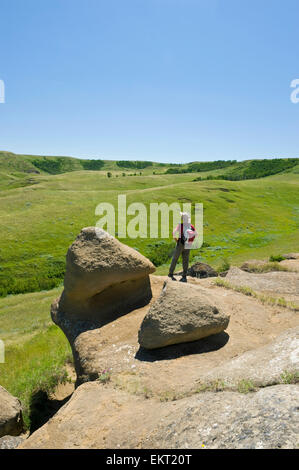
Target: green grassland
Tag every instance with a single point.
(39, 221)
(41, 214)
(36, 350)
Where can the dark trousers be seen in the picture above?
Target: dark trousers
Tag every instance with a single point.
(180, 250)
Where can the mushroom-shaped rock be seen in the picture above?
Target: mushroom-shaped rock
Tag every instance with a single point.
(182, 313)
(104, 279)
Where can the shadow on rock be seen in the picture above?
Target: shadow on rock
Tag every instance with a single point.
(211, 343)
(42, 408)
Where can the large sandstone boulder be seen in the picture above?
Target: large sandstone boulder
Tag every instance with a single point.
(181, 314)
(100, 417)
(11, 421)
(104, 279)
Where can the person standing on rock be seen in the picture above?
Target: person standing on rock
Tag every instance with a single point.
(186, 235)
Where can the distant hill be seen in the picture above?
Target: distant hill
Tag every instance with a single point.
(46, 164)
(18, 170)
(253, 169)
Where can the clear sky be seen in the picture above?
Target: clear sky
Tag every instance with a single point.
(161, 80)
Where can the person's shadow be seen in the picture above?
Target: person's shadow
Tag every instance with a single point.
(204, 345)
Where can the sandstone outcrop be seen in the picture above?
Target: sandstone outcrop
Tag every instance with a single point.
(99, 417)
(273, 363)
(180, 314)
(253, 264)
(291, 256)
(276, 283)
(11, 421)
(155, 398)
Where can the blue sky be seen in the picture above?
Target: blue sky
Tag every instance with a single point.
(161, 80)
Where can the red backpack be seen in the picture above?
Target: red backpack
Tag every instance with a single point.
(182, 235)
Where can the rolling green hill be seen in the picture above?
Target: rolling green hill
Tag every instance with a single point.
(21, 170)
(253, 169)
(40, 220)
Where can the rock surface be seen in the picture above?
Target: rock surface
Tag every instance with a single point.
(291, 264)
(175, 370)
(253, 263)
(104, 279)
(99, 417)
(181, 314)
(270, 364)
(291, 256)
(276, 283)
(11, 421)
(11, 442)
(152, 399)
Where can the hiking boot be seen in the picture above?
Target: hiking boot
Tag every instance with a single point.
(183, 279)
(171, 277)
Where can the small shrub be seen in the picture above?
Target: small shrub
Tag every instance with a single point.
(105, 376)
(225, 265)
(245, 386)
(214, 386)
(276, 258)
(289, 377)
(160, 252)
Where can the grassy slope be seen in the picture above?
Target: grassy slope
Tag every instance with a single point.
(22, 170)
(244, 219)
(35, 349)
(40, 221)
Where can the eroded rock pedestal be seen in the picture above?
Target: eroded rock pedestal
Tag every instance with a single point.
(104, 279)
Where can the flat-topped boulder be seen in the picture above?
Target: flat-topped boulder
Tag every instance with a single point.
(104, 279)
(181, 314)
(253, 265)
(276, 283)
(291, 264)
(11, 421)
(291, 256)
(274, 363)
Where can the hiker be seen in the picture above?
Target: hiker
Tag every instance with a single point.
(187, 234)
